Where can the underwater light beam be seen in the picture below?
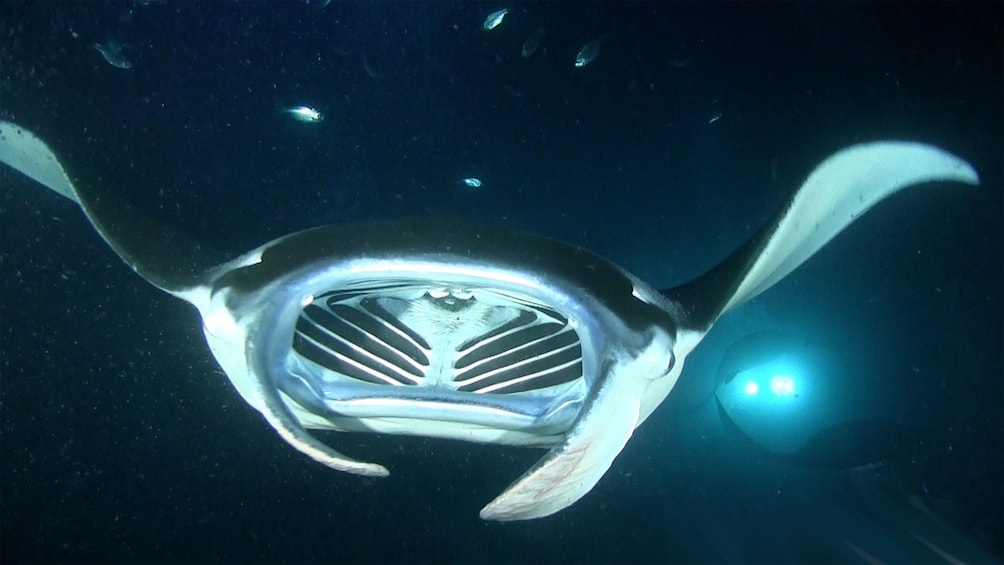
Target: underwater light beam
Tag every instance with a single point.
(782, 385)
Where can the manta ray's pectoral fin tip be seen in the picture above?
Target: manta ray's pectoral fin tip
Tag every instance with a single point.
(24, 152)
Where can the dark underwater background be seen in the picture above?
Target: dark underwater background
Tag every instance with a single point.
(121, 440)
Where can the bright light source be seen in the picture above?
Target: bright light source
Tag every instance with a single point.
(751, 388)
(782, 385)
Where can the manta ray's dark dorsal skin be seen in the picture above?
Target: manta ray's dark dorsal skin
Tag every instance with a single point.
(447, 242)
(376, 327)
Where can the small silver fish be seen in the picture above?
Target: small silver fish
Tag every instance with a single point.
(304, 114)
(472, 182)
(495, 18)
(533, 42)
(589, 52)
(111, 50)
(715, 117)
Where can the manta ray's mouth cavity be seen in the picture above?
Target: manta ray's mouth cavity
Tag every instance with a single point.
(448, 339)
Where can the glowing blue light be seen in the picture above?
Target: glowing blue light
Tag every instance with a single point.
(751, 388)
(782, 385)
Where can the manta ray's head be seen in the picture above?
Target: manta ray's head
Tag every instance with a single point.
(437, 330)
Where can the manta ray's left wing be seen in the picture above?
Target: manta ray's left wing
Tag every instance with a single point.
(837, 192)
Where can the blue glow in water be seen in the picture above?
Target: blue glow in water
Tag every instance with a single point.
(782, 385)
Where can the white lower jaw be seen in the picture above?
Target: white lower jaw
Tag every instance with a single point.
(469, 421)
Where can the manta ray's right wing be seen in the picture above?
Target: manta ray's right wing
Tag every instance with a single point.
(160, 254)
(171, 261)
(836, 193)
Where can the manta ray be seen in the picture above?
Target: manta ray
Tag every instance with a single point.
(465, 331)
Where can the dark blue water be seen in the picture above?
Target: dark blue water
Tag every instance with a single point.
(122, 441)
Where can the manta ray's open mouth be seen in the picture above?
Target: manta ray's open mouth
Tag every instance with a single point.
(473, 353)
(448, 339)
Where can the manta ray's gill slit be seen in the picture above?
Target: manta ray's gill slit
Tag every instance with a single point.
(344, 335)
(539, 354)
(536, 349)
(379, 312)
(515, 338)
(386, 341)
(325, 337)
(524, 318)
(558, 366)
(310, 350)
